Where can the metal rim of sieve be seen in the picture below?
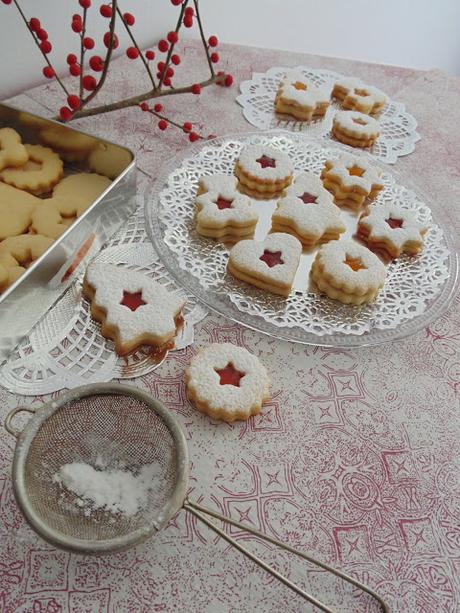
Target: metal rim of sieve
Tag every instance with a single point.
(27, 435)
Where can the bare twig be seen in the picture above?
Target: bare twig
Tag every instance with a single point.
(203, 38)
(146, 64)
(170, 50)
(82, 54)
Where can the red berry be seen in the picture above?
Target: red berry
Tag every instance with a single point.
(74, 70)
(189, 11)
(162, 124)
(77, 26)
(167, 81)
(107, 40)
(161, 66)
(175, 59)
(85, 4)
(196, 89)
(34, 24)
(46, 46)
(169, 71)
(73, 101)
(71, 59)
(150, 55)
(42, 34)
(163, 45)
(132, 53)
(128, 18)
(88, 42)
(106, 10)
(173, 37)
(65, 113)
(176, 2)
(228, 80)
(7, 1)
(77, 17)
(193, 136)
(187, 126)
(213, 42)
(89, 82)
(214, 58)
(48, 72)
(158, 108)
(188, 21)
(144, 106)
(96, 63)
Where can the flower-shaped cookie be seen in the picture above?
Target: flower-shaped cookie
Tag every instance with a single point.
(39, 174)
(227, 382)
(299, 97)
(133, 309)
(351, 180)
(225, 214)
(270, 264)
(213, 183)
(348, 272)
(307, 212)
(12, 151)
(357, 96)
(391, 230)
(355, 129)
(263, 171)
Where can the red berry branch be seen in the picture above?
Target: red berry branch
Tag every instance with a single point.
(92, 72)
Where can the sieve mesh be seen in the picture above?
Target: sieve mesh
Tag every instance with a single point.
(117, 429)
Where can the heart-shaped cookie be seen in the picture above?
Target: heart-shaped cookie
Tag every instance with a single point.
(270, 264)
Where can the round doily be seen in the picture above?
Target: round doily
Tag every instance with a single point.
(415, 292)
(66, 349)
(397, 138)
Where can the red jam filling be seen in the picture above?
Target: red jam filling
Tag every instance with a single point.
(266, 162)
(354, 263)
(308, 198)
(394, 223)
(229, 375)
(223, 204)
(271, 258)
(360, 122)
(132, 301)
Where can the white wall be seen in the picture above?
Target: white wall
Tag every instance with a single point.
(416, 33)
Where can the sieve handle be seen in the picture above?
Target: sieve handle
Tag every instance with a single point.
(200, 512)
(11, 415)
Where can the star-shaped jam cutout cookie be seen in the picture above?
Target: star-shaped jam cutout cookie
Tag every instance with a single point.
(266, 162)
(354, 263)
(229, 375)
(308, 198)
(222, 203)
(359, 121)
(132, 300)
(299, 85)
(271, 258)
(394, 223)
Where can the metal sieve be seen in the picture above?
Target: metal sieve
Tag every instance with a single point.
(126, 427)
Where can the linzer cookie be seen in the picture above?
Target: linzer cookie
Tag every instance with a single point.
(300, 98)
(213, 183)
(227, 382)
(270, 264)
(308, 213)
(351, 180)
(348, 272)
(133, 309)
(225, 214)
(391, 230)
(12, 151)
(355, 129)
(355, 95)
(263, 171)
(39, 174)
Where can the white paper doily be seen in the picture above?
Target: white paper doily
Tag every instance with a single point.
(66, 349)
(397, 138)
(415, 291)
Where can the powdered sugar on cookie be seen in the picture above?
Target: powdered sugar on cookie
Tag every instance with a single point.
(265, 162)
(359, 124)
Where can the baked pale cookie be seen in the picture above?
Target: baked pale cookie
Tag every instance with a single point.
(71, 146)
(391, 230)
(16, 208)
(133, 309)
(351, 180)
(10, 270)
(74, 194)
(300, 98)
(109, 160)
(355, 95)
(39, 174)
(25, 248)
(227, 382)
(270, 264)
(213, 183)
(348, 272)
(48, 221)
(225, 214)
(308, 213)
(12, 151)
(263, 171)
(355, 129)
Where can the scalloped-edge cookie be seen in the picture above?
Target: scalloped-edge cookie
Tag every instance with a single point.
(355, 95)
(355, 129)
(12, 151)
(39, 174)
(300, 98)
(263, 171)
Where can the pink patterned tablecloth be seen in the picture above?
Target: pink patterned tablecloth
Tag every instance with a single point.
(356, 456)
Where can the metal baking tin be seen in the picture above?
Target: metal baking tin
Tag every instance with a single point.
(32, 295)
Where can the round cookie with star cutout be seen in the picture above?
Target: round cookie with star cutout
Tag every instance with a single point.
(263, 171)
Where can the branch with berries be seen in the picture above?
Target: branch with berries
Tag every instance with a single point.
(91, 72)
